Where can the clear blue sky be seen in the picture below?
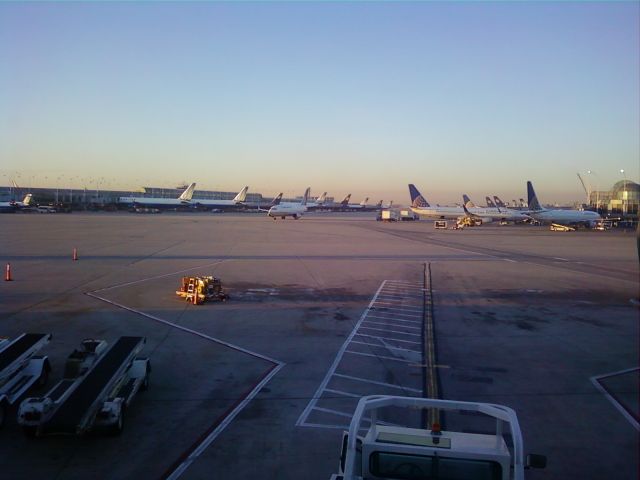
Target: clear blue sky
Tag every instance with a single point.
(346, 97)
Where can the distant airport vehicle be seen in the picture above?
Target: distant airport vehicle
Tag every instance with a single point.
(21, 368)
(12, 206)
(407, 215)
(420, 206)
(440, 224)
(154, 202)
(46, 209)
(396, 452)
(98, 385)
(295, 210)
(388, 215)
(488, 214)
(198, 290)
(238, 200)
(559, 216)
(555, 227)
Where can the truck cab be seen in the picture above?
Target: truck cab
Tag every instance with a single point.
(404, 453)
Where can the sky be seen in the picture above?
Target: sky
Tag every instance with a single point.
(347, 97)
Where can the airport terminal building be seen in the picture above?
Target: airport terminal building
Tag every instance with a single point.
(621, 201)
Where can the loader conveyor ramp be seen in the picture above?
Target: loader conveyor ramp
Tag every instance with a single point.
(18, 347)
(68, 416)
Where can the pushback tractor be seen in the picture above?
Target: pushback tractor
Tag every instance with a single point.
(98, 385)
(198, 290)
(403, 453)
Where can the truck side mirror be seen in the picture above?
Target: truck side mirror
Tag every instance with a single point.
(536, 461)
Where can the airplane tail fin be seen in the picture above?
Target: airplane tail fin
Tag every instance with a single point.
(499, 202)
(417, 200)
(27, 199)
(188, 193)
(321, 198)
(276, 200)
(490, 202)
(522, 204)
(241, 196)
(345, 200)
(379, 204)
(306, 196)
(532, 198)
(467, 201)
(364, 202)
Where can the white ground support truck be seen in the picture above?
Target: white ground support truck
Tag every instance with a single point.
(402, 453)
(20, 368)
(98, 384)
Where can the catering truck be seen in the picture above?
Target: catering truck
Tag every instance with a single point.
(402, 453)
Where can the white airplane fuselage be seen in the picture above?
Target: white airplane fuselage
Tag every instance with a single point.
(438, 212)
(565, 216)
(283, 210)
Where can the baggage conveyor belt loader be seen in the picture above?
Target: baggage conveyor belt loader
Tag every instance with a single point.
(20, 368)
(402, 453)
(99, 384)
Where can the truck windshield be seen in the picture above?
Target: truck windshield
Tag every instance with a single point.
(425, 467)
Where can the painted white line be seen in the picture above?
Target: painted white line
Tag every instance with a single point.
(188, 330)
(614, 402)
(305, 414)
(408, 307)
(400, 297)
(156, 277)
(561, 259)
(340, 392)
(392, 325)
(226, 421)
(387, 338)
(224, 424)
(411, 362)
(323, 425)
(400, 309)
(350, 415)
(509, 260)
(391, 331)
(386, 346)
(412, 315)
(395, 319)
(373, 382)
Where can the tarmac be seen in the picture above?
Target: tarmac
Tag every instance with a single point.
(323, 310)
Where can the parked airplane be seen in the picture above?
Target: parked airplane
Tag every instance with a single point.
(500, 203)
(274, 202)
(238, 200)
(420, 206)
(490, 202)
(151, 202)
(318, 203)
(12, 206)
(295, 210)
(359, 206)
(488, 214)
(559, 216)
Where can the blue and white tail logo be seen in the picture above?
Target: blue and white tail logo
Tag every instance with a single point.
(417, 200)
(532, 198)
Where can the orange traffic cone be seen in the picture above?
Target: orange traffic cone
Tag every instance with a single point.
(75, 254)
(7, 276)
